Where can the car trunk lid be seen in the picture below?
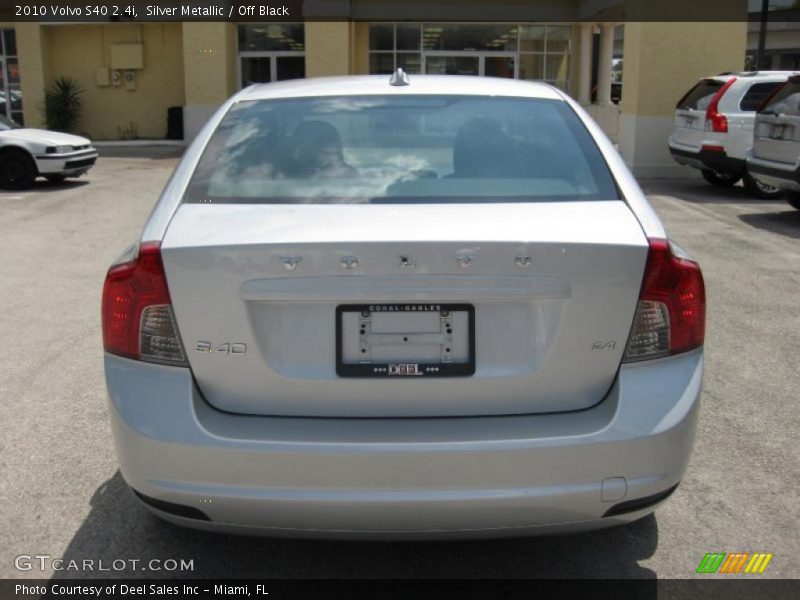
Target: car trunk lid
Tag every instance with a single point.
(552, 287)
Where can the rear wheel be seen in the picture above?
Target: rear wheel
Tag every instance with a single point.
(17, 170)
(759, 189)
(793, 198)
(55, 178)
(720, 179)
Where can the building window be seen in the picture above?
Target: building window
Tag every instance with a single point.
(539, 52)
(271, 52)
(544, 52)
(393, 46)
(10, 92)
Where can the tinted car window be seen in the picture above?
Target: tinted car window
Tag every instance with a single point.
(786, 101)
(384, 149)
(756, 95)
(700, 96)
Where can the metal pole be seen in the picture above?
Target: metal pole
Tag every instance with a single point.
(762, 33)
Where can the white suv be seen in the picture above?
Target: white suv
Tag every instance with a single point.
(776, 143)
(713, 128)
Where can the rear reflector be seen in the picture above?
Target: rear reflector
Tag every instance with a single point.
(671, 314)
(138, 321)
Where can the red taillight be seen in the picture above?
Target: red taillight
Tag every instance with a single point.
(671, 314)
(716, 121)
(137, 311)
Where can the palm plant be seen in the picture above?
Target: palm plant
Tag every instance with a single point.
(62, 104)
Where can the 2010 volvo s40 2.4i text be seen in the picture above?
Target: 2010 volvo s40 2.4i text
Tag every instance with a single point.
(430, 307)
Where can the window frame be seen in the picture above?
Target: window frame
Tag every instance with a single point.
(516, 53)
(273, 56)
(15, 115)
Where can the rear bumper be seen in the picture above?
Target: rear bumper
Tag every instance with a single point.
(786, 177)
(404, 477)
(714, 160)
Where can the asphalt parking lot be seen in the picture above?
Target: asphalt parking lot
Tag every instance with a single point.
(62, 495)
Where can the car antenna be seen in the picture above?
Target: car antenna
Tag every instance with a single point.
(399, 78)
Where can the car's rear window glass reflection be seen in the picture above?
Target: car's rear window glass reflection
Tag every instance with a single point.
(384, 149)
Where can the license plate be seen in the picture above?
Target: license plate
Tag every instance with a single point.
(405, 340)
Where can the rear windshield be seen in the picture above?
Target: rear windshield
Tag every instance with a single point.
(756, 95)
(786, 101)
(400, 149)
(700, 96)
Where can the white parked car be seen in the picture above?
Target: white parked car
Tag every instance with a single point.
(776, 145)
(713, 129)
(26, 154)
(374, 307)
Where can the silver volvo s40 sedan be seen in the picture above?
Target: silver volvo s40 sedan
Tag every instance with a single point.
(396, 307)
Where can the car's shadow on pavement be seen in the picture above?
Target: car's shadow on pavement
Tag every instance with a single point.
(785, 222)
(42, 186)
(117, 527)
(151, 152)
(698, 191)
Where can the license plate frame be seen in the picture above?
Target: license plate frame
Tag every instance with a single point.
(406, 370)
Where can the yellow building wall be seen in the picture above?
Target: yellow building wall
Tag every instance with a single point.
(209, 54)
(663, 60)
(210, 71)
(115, 112)
(360, 52)
(33, 48)
(327, 48)
(575, 61)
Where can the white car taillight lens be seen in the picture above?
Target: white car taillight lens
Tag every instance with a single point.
(138, 321)
(671, 314)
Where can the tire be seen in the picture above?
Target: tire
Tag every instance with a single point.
(17, 170)
(760, 190)
(55, 178)
(720, 179)
(793, 198)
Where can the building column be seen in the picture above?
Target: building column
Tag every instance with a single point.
(33, 53)
(585, 65)
(209, 71)
(604, 64)
(328, 48)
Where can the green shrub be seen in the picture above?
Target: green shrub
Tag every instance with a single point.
(63, 104)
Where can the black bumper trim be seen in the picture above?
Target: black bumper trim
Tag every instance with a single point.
(773, 172)
(714, 160)
(83, 162)
(71, 156)
(179, 510)
(639, 503)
